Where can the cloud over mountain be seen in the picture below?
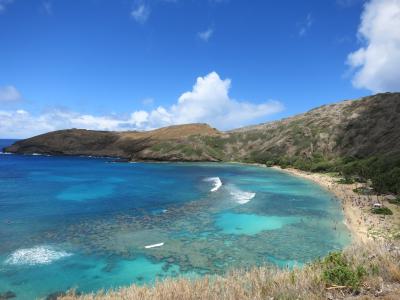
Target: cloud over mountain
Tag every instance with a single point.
(207, 102)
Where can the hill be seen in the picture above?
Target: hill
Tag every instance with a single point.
(175, 141)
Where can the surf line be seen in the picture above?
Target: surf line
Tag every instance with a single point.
(217, 183)
(154, 245)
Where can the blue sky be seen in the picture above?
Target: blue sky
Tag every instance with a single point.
(122, 64)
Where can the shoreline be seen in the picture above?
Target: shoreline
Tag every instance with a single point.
(362, 224)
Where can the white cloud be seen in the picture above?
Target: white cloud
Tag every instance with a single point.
(141, 13)
(206, 35)
(306, 25)
(207, 102)
(376, 65)
(9, 93)
(139, 118)
(20, 123)
(3, 4)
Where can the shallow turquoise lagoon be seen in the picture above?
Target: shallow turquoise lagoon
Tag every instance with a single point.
(250, 224)
(90, 224)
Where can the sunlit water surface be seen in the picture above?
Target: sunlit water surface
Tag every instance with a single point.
(86, 223)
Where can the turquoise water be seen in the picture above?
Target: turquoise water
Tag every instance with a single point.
(251, 224)
(90, 224)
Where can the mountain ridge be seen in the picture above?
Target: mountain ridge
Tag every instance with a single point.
(359, 128)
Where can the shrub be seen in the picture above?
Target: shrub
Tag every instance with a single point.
(381, 211)
(284, 166)
(302, 165)
(337, 270)
(322, 166)
(346, 180)
(269, 163)
(395, 201)
(363, 191)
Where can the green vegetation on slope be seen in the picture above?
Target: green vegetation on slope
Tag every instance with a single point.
(383, 171)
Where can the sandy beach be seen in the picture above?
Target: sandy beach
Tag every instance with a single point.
(362, 224)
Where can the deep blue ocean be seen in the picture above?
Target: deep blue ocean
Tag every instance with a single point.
(90, 223)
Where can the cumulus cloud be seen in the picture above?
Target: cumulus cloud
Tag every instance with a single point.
(206, 35)
(9, 93)
(207, 102)
(140, 13)
(376, 65)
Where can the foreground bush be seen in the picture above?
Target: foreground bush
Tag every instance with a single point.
(360, 269)
(339, 271)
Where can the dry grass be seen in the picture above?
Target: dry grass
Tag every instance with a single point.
(172, 132)
(380, 276)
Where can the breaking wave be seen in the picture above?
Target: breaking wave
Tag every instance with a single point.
(38, 255)
(154, 245)
(217, 183)
(240, 196)
(39, 154)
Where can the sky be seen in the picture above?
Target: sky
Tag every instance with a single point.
(144, 64)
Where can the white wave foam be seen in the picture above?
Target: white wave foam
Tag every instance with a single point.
(5, 153)
(217, 183)
(154, 245)
(35, 256)
(241, 197)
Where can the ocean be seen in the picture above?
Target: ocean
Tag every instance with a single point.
(92, 223)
